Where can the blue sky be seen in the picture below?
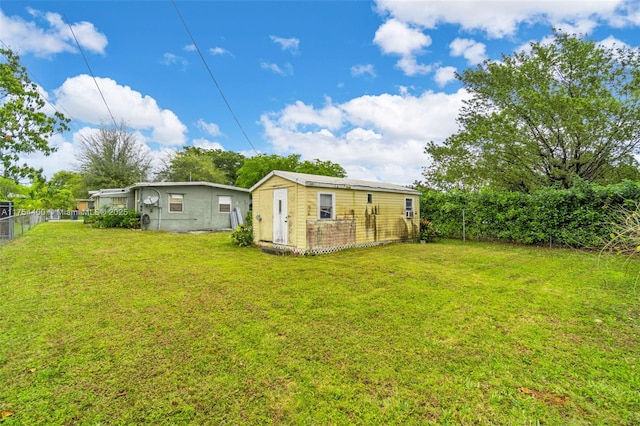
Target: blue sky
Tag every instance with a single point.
(363, 84)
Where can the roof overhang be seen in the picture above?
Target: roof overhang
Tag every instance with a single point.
(336, 183)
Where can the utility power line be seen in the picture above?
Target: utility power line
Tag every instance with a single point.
(90, 70)
(224, 98)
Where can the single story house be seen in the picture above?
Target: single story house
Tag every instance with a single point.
(180, 206)
(84, 204)
(306, 213)
(112, 199)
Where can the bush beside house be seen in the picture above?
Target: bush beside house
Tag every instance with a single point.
(583, 216)
(120, 218)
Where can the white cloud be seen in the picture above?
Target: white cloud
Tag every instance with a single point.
(48, 34)
(499, 18)
(373, 137)
(290, 44)
(299, 115)
(171, 59)
(219, 51)
(613, 43)
(276, 69)
(580, 26)
(397, 38)
(207, 144)
(62, 159)
(189, 48)
(526, 47)
(473, 51)
(358, 70)
(410, 66)
(79, 97)
(211, 128)
(445, 75)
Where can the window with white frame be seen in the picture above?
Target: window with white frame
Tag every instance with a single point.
(408, 208)
(326, 205)
(224, 204)
(118, 202)
(176, 203)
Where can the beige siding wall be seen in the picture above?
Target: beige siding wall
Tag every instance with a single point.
(263, 209)
(357, 221)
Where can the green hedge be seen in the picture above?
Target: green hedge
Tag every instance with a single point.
(117, 218)
(579, 217)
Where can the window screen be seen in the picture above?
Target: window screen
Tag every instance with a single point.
(325, 206)
(176, 203)
(224, 204)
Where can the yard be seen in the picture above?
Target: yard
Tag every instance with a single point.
(128, 327)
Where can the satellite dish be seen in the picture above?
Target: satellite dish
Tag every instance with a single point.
(150, 200)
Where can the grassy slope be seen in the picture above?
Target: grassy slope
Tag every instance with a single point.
(122, 327)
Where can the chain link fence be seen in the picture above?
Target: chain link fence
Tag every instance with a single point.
(14, 226)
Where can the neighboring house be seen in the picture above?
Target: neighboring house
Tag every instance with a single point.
(112, 199)
(189, 206)
(84, 204)
(306, 213)
(179, 206)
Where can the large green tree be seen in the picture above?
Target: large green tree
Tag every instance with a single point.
(42, 195)
(200, 164)
(255, 168)
(227, 161)
(10, 189)
(24, 127)
(71, 181)
(112, 158)
(565, 109)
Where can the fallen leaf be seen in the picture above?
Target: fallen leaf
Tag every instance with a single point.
(32, 370)
(6, 413)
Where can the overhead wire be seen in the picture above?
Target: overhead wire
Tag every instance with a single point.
(224, 98)
(90, 70)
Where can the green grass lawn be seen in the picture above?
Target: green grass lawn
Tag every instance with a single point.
(127, 327)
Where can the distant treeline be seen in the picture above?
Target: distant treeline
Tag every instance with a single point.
(584, 216)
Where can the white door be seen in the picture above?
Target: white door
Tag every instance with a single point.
(280, 216)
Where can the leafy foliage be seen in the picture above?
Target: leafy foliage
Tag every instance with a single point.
(9, 188)
(112, 158)
(199, 164)
(24, 127)
(71, 181)
(255, 168)
(44, 195)
(39, 195)
(428, 231)
(243, 235)
(565, 110)
(582, 216)
(118, 218)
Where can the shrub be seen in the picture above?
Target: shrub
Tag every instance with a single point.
(428, 231)
(625, 231)
(583, 216)
(243, 235)
(118, 218)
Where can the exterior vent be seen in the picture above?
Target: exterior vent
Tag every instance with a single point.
(408, 214)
